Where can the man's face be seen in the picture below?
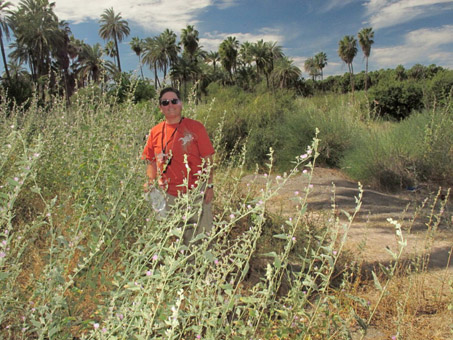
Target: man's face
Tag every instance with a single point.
(170, 106)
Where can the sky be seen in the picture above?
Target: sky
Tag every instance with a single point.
(406, 32)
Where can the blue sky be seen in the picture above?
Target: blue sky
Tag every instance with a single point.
(407, 32)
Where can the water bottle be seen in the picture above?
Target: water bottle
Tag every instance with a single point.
(157, 199)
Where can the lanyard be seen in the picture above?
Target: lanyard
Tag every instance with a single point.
(171, 137)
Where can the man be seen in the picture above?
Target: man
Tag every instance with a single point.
(179, 149)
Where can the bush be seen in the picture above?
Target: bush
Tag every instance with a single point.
(333, 115)
(137, 89)
(251, 119)
(396, 99)
(398, 155)
(440, 88)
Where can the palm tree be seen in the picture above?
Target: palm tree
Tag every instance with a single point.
(265, 54)
(39, 38)
(246, 53)
(212, 57)
(321, 62)
(150, 57)
(113, 27)
(285, 72)
(184, 70)
(91, 63)
(109, 49)
(4, 30)
(17, 70)
(366, 36)
(137, 46)
(189, 40)
(228, 52)
(311, 67)
(171, 49)
(347, 50)
(276, 53)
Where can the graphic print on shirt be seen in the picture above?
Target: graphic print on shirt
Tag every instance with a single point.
(186, 140)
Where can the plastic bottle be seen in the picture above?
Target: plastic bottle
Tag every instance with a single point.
(157, 200)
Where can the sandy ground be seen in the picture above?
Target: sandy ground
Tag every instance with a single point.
(370, 233)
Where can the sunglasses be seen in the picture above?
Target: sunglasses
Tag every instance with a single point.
(167, 102)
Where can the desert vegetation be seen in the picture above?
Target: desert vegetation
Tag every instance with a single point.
(83, 255)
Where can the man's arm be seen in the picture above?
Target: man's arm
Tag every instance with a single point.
(151, 173)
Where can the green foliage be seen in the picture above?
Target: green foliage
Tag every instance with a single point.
(18, 91)
(83, 256)
(440, 88)
(396, 99)
(331, 115)
(93, 260)
(282, 121)
(251, 119)
(397, 156)
(129, 87)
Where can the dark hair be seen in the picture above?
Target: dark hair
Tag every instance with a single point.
(169, 89)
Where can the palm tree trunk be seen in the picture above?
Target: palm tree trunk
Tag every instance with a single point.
(366, 75)
(141, 66)
(156, 78)
(117, 53)
(4, 60)
(351, 74)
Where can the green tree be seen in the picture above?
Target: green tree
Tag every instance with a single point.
(347, 50)
(40, 40)
(265, 54)
(212, 57)
(285, 72)
(246, 53)
(189, 40)
(320, 60)
(171, 49)
(261, 56)
(136, 45)
(228, 51)
(184, 70)
(113, 27)
(276, 54)
(366, 36)
(91, 63)
(150, 57)
(110, 49)
(36, 29)
(311, 68)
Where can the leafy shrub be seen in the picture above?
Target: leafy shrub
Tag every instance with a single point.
(396, 99)
(398, 155)
(19, 91)
(332, 115)
(440, 88)
(249, 119)
(135, 88)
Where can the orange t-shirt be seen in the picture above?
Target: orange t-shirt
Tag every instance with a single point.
(189, 137)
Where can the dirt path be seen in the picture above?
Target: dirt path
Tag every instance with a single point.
(371, 233)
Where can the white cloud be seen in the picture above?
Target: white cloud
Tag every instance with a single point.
(422, 45)
(222, 4)
(386, 13)
(333, 4)
(155, 15)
